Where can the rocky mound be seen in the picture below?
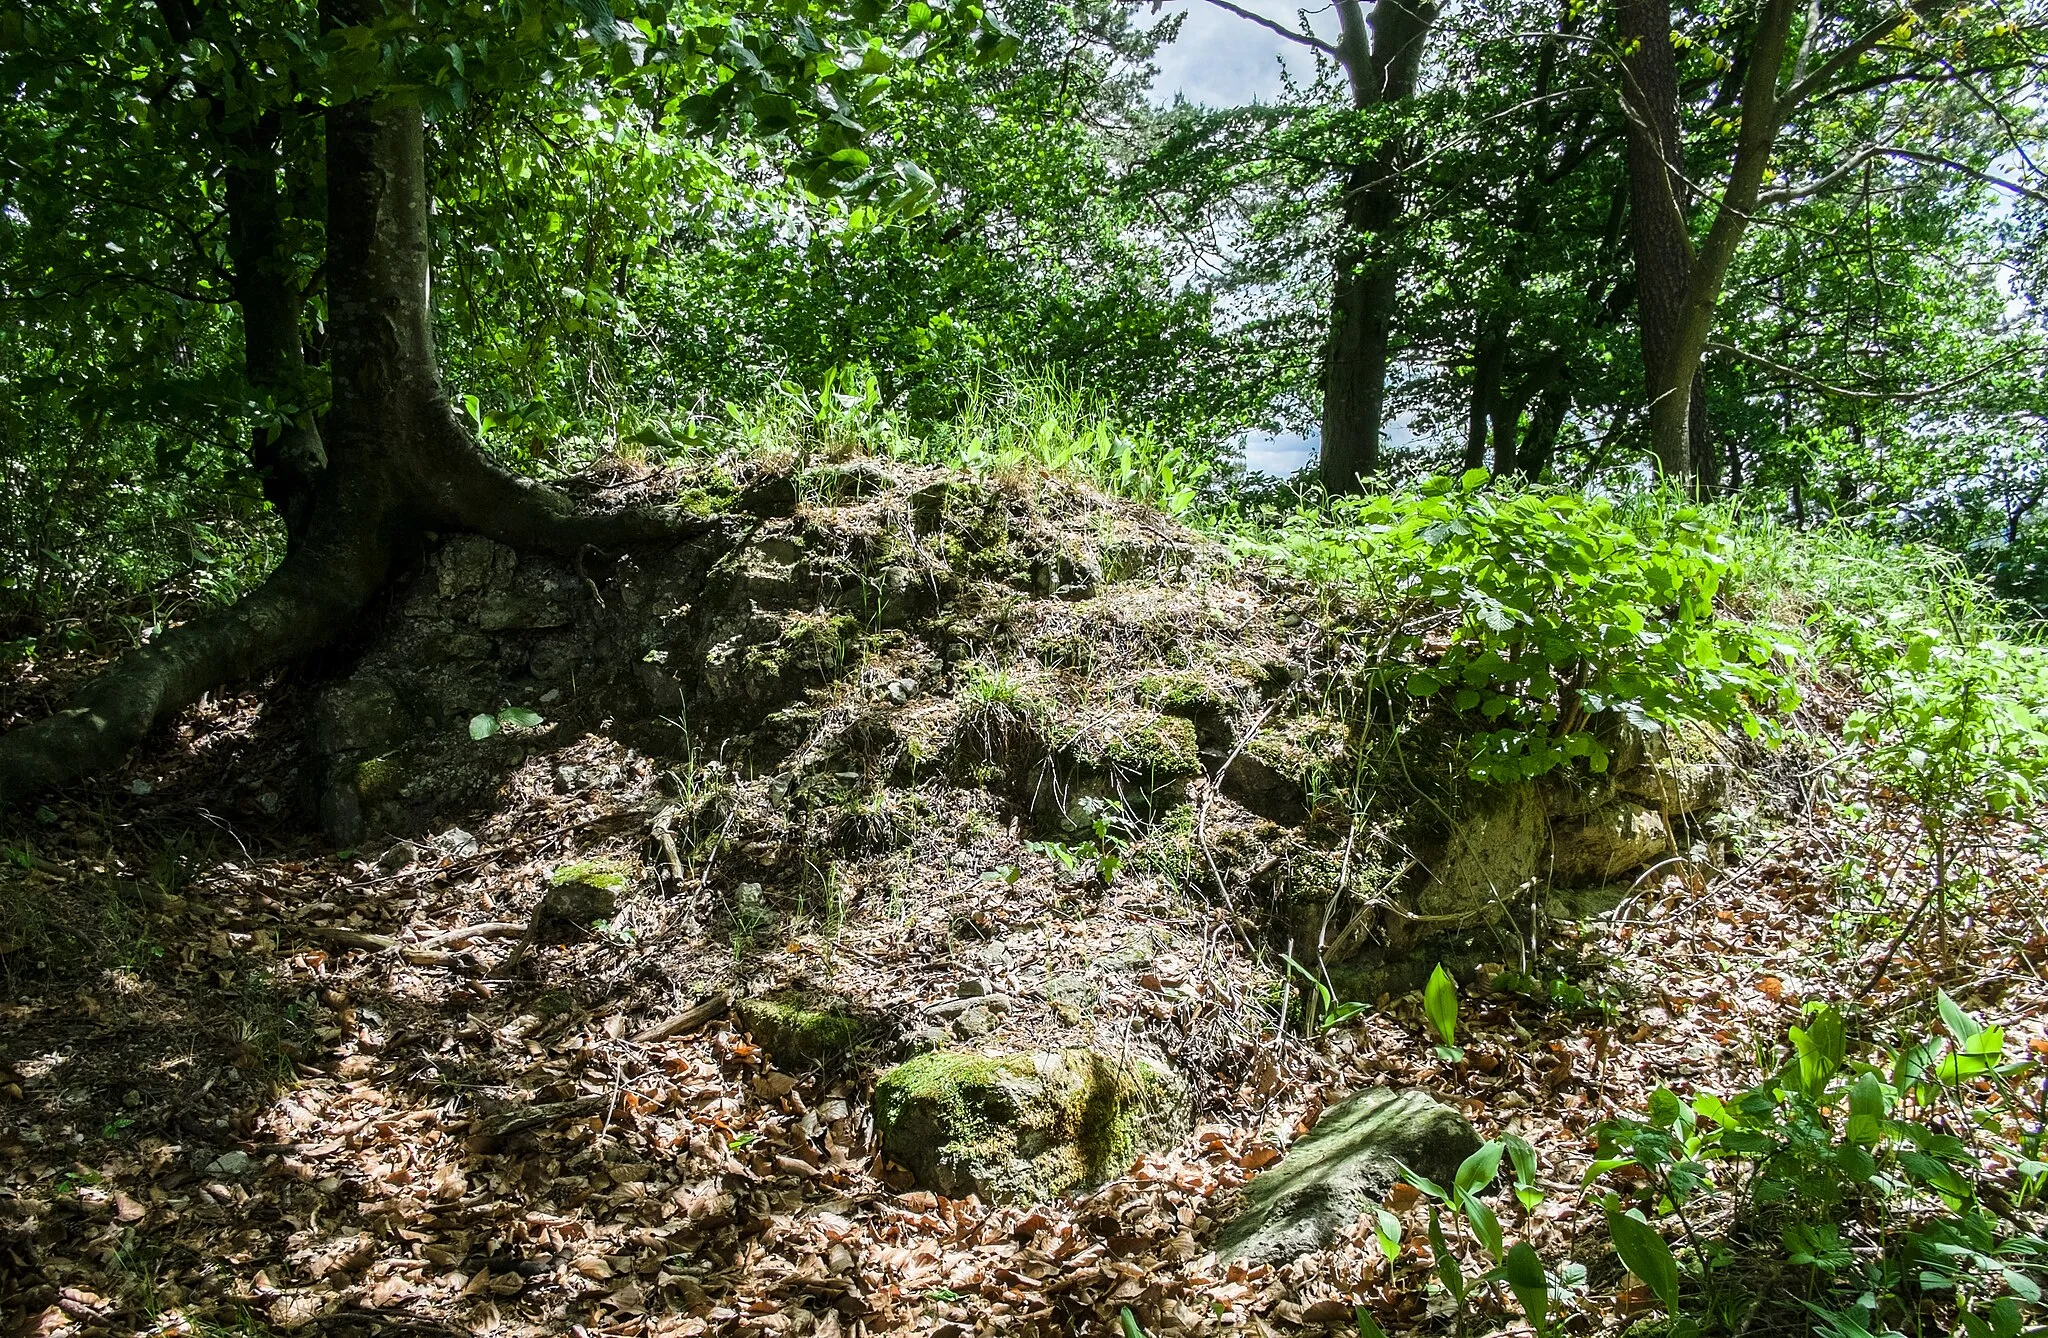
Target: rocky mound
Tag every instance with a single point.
(939, 726)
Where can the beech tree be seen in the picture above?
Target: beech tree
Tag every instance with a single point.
(244, 108)
(1688, 226)
(1380, 51)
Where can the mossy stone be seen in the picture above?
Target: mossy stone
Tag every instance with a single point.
(378, 779)
(1342, 1169)
(802, 1029)
(1186, 693)
(1026, 1128)
(1157, 747)
(612, 875)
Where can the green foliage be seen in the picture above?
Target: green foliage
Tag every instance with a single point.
(1832, 1144)
(1530, 616)
(1440, 1005)
(1323, 1009)
(1518, 1266)
(1097, 859)
(513, 718)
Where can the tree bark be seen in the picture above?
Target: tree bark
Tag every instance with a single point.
(1539, 442)
(1382, 58)
(398, 459)
(1658, 204)
(1678, 288)
(288, 453)
(1489, 360)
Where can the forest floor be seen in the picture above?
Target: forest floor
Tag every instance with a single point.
(273, 1088)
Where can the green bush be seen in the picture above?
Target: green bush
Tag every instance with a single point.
(1531, 615)
(1857, 1169)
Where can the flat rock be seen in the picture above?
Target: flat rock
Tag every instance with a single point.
(1026, 1128)
(1344, 1168)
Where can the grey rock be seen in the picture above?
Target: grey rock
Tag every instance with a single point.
(363, 713)
(1343, 1168)
(1608, 842)
(229, 1163)
(1677, 785)
(955, 1007)
(456, 843)
(398, 857)
(974, 987)
(1494, 850)
(975, 1022)
(1026, 1128)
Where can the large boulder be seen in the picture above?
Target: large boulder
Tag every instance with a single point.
(1026, 1128)
(1495, 848)
(1344, 1168)
(1608, 842)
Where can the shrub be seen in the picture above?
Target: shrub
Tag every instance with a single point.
(1530, 615)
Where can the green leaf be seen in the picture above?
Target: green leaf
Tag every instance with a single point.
(519, 717)
(1387, 1227)
(1524, 1274)
(1484, 1224)
(1960, 1024)
(1368, 1327)
(1440, 1002)
(1131, 1327)
(1477, 1171)
(1446, 1263)
(482, 726)
(1821, 1049)
(1866, 1111)
(1643, 1252)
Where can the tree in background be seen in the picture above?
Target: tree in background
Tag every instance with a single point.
(231, 103)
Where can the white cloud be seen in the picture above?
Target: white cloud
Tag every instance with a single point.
(1221, 60)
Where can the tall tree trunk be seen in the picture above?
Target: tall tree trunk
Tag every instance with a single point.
(1658, 203)
(1382, 59)
(1489, 362)
(1678, 288)
(397, 459)
(288, 452)
(1539, 443)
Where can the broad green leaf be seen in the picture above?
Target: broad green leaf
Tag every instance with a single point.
(482, 726)
(519, 717)
(1387, 1228)
(1643, 1252)
(1484, 1224)
(1440, 1002)
(1960, 1024)
(1866, 1111)
(1524, 1274)
(1477, 1171)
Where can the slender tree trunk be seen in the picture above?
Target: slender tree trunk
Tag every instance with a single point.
(1678, 288)
(1382, 65)
(1658, 204)
(288, 452)
(397, 459)
(1546, 421)
(1489, 358)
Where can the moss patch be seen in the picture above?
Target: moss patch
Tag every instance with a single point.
(1022, 1128)
(378, 779)
(612, 875)
(1157, 747)
(803, 1029)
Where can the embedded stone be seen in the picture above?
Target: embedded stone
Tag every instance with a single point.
(1342, 1169)
(1025, 1128)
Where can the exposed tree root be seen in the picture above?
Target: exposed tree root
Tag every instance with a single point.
(310, 600)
